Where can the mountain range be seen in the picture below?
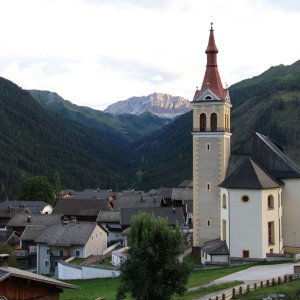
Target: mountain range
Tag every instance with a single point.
(42, 133)
(161, 105)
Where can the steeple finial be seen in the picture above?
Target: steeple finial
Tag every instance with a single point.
(211, 26)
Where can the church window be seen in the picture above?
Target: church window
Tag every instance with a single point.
(271, 233)
(203, 122)
(213, 122)
(208, 223)
(245, 198)
(208, 97)
(270, 202)
(207, 188)
(224, 204)
(208, 146)
(224, 230)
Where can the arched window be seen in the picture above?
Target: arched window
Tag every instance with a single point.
(213, 122)
(208, 98)
(270, 202)
(203, 122)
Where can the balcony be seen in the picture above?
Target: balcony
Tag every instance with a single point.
(20, 253)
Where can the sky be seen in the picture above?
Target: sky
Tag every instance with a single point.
(97, 52)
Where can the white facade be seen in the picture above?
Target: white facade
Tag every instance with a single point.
(291, 214)
(253, 219)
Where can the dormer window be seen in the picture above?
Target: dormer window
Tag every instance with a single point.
(208, 97)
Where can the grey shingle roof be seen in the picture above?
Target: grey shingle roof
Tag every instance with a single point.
(215, 247)
(109, 217)
(173, 216)
(270, 155)
(31, 232)
(79, 207)
(21, 219)
(33, 206)
(73, 233)
(13, 272)
(135, 200)
(188, 183)
(250, 175)
(5, 235)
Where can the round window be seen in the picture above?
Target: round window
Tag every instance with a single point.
(245, 198)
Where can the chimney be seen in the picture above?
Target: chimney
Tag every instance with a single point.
(28, 219)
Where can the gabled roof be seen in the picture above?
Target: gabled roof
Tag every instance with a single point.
(270, 155)
(31, 232)
(65, 235)
(215, 247)
(250, 175)
(5, 235)
(6, 272)
(23, 219)
(173, 216)
(33, 206)
(79, 207)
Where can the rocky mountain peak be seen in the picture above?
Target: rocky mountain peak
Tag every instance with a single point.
(162, 105)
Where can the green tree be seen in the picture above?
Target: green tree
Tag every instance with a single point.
(37, 188)
(6, 249)
(152, 269)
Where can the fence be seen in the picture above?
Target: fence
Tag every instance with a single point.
(242, 289)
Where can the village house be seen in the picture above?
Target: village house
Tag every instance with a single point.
(68, 239)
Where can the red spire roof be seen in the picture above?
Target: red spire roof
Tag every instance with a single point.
(212, 78)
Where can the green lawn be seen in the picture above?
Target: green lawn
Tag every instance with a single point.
(94, 288)
(291, 288)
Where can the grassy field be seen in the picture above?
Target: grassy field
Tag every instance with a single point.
(292, 289)
(94, 288)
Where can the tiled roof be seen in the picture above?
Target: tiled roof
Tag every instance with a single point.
(23, 219)
(5, 235)
(188, 183)
(215, 247)
(173, 216)
(65, 235)
(132, 200)
(13, 272)
(79, 207)
(182, 194)
(250, 175)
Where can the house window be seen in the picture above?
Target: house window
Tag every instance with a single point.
(271, 233)
(207, 187)
(246, 253)
(213, 122)
(92, 237)
(224, 204)
(205, 256)
(245, 198)
(61, 252)
(202, 253)
(208, 223)
(46, 263)
(208, 146)
(96, 235)
(203, 122)
(270, 202)
(77, 253)
(48, 251)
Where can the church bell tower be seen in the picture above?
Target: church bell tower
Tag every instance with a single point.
(211, 148)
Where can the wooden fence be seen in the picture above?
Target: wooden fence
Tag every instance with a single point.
(245, 288)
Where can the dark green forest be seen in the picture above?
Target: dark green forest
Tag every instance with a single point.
(92, 149)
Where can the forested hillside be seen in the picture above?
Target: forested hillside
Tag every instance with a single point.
(122, 129)
(268, 103)
(36, 142)
(90, 149)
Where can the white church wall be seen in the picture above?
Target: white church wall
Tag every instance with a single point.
(224, 216)
(291, 215)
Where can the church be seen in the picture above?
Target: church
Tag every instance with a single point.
(246, 204)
